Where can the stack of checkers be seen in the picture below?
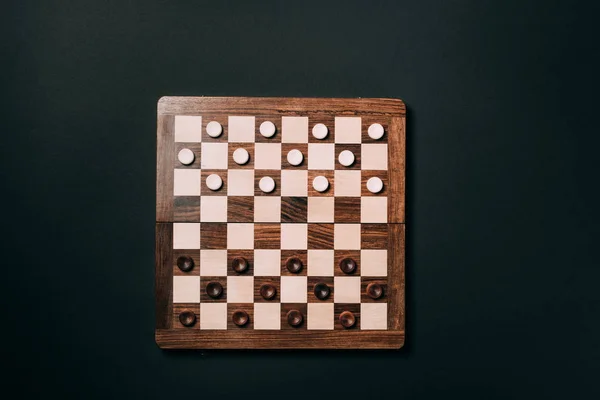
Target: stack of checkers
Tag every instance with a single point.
(279, 223)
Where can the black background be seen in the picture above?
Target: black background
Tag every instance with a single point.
(502, 220)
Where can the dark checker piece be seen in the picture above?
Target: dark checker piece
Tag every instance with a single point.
(185, 263)
(348, 265)
(295, 318)
(239, 264)
(187, 318)
(268, 291)
(374, 290)
(240, 318)
(347, 319)
(322, 291)
(214, 289)
(294, 265)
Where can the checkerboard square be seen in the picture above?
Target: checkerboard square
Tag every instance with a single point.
(320, 209)
(294, 182)
(186, 235)
(213, 262)
(267, 236)
(214, 156)
(293, 289)
(213, 235)
(267, 316)
(346, 236)
(267, 156)
(373, 209)
(240, 182)
(347, 129)
(293, 209)
(213, 209)
(186, 289)
(267, 262)
(374, 156)
(240, 289)
(294, 129)
(374, 262)
(347, 183)
(241, 129)
(319, 316)
(373, 316)
(267, 209)
(213, 315)
(188, 128)
(294, 236)
(240, 236)
(321, 156)
(347, 289)
(240, 208)
(320, 262)
(186, 182)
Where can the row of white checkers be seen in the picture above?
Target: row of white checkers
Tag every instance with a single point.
(267, 184)
(267, 129)
(241, 157)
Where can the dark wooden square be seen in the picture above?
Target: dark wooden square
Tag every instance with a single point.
(259, 119)
(346, 209)
(302, 255)
(340, 255)
(328, 120)
(248, 255)
(365, 281)
(273, 173)
(354, 148)
(365, 175)
(179, 308)
(195, 147)
(204, 281)
(294, 209)
(240, 208)
(339, 308)
(233, 147)
(367, 120)
(287, 307)
(320, 236)
(205, 191)
(286, 148)
(213, 235)
(312, 281)
(186, 208)
(221, 118)
(374, 236)
(194, 254)
(267, 236)
(267, 280)
(327, 173)
(248, 308)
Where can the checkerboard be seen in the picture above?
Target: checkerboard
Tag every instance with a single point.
(203, 233)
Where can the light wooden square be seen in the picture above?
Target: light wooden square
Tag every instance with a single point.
(240, 289)
(293, 289)
(186, 235)
(373, 316)
(348, 130)
(213, 209)
(240, 236)
(294, 182)
(241, 129)
(213, 262)
(320, 209)
(267, 316)
(374, 156)
(346, 289)
(186, 289)
(346, 236)
(213, 315)
(267, 156)
(186, 182)
(320, 262)
(214, 156)
(294, 129)
(347, 183)
(240, 182)
(321, 156)
(294, 236)
(267, 262)
(320, 316)
(373, 262)
(373, 209)
(267, 209)
(188, 128)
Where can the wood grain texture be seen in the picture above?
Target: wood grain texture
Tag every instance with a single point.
(395, 289)
(396, 170)
(281, 106)
(165, 157)
(163, 276)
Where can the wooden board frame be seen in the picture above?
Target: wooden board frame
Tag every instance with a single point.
(392, 338)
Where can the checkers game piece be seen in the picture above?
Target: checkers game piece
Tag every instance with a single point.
(280, 223)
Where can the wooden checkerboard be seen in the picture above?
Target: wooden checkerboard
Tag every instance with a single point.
(300, 265)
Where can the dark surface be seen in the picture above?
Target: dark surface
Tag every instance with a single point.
(502, 203)
(294, 265)
(347, 265)
(187, 318)
(294, 318)
(374, 290)
(321, 291)
(240, 318)
(268, 291)
(214, 289)
(347, 319)
(185, 263)
(239, 264)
